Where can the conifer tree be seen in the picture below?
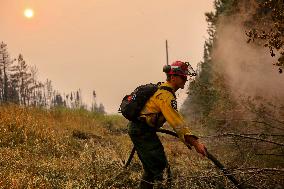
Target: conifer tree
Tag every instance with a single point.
(5, 65)
(22, 78)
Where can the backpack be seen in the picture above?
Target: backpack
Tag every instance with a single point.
(132, 104)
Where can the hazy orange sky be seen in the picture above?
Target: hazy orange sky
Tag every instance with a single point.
(110, 46)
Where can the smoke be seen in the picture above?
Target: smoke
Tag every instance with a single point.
(248, 68)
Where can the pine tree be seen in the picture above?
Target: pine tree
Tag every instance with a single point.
(48, 93)
(101, 109)
(5, 65)
(22, 78)
(204, 91)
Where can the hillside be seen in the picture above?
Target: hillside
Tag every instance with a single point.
(62, 148)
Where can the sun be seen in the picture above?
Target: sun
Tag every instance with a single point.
(29, 13)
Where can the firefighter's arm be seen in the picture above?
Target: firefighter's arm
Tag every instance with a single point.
(169, 110)
(168, 106)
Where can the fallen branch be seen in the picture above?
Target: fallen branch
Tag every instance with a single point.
(244, 136)
(260, 139)
(248, 134)
(254, 121)
(226, 172)
(256, 169)
(264, 123)
(263, 134)
(270, 154)
(273, 119)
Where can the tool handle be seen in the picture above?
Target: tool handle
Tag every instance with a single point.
(213, 159)
(130, 157)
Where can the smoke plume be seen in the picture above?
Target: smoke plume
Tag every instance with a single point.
(247, 67)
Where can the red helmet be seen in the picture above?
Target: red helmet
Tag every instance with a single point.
(177, 68)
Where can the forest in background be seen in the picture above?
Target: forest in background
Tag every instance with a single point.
(236, 101)
(235, 105)
(19, 85)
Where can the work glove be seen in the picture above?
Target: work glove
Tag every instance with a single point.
(193, 141)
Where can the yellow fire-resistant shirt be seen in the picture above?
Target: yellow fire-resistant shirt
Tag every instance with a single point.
(162, 107)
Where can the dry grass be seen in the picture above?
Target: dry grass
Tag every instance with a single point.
(40, 150)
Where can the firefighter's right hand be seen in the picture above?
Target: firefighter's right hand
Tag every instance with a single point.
(193, 141)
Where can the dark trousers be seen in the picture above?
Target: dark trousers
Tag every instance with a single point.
(150, 151)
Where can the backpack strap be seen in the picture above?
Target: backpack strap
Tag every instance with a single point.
(168, 89)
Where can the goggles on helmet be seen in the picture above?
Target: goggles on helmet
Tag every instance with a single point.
(179, 68)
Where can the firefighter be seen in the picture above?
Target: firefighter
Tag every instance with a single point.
(161, 107)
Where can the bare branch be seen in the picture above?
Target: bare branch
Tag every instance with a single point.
(276, 120)
(244, 136)
(254, 169)
(255, 121)
(265, 123)
(270, 154)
